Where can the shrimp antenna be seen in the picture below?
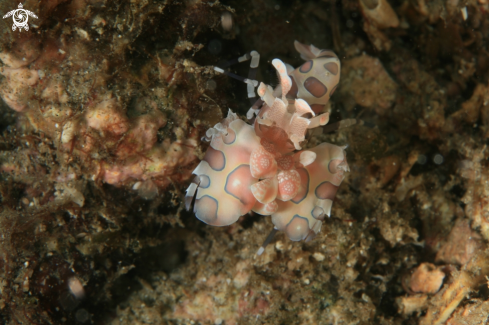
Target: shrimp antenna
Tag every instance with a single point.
(267, 241)
(254, 56)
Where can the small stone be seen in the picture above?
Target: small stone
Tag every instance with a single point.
(318, 257)
(426, 278)
(279, 245)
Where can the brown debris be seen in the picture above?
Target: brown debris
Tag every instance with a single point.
(476, 198)
(365, 82)
(462, 243)
(378, 15)
(473, 313)
(444, 303)
(406, 185)
(427, 100)
(397, 230)
(477, 107)
(410, 304)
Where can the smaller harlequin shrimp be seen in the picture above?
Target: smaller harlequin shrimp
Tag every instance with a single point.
(262, 167)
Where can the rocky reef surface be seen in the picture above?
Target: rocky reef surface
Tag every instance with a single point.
(103, 108)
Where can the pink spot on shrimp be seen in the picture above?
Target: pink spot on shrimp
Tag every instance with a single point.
(306, 67)
(297, 229)
(205, 209)
(332, 67)
(215, 159)
(326, 190)
(238, 184)
(315, 87)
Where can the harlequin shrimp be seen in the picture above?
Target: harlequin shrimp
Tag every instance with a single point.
(262, 167)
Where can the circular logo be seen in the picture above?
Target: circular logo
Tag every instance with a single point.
(20, 17)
